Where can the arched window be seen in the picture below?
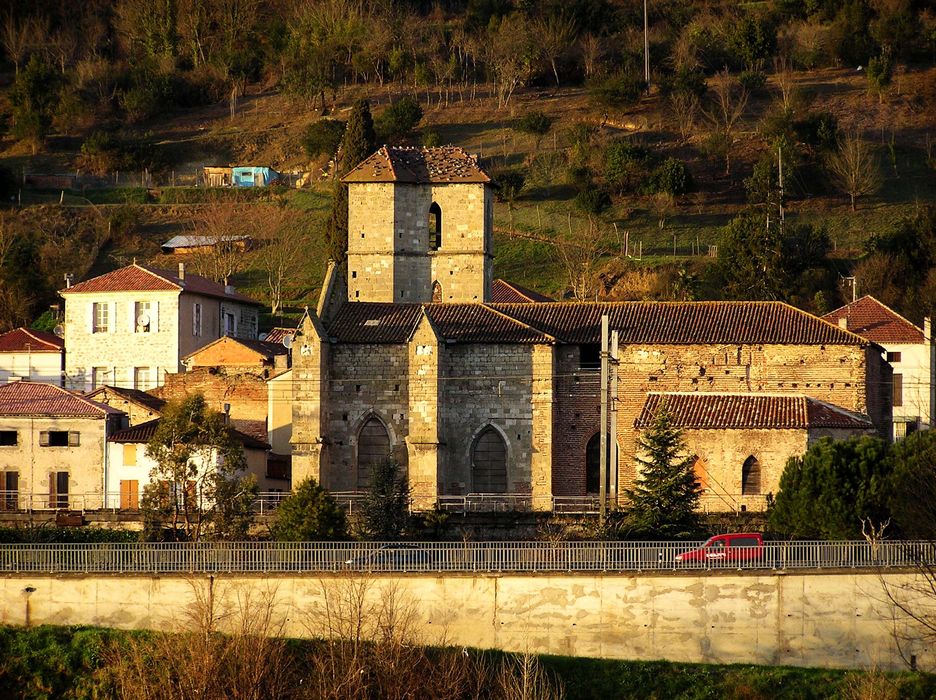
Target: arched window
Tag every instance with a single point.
(489, 463)
(435, 227)
(750, 477)
(437, 292)
(373, 449)
(593, 465)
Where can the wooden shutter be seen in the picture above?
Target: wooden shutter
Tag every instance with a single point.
(154, 316)
(130, 454)
(898, 390)
(44, 438)
(74, 438)
(129, 494)
(53, 496)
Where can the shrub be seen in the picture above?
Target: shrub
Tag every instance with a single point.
(616, 90)
(686, 81)
(880, 73)
(535, 123)
(399, 119)
(508, 185)
(593, 201)
(818, 129)
(753, 80)
(672, 176)
(322, 138)
(309, 513)
(625, 166)
(430, 138)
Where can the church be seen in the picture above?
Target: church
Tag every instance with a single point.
(492, 399)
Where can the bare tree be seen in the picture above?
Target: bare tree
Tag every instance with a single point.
(581, 256)
(685, 108)
(221, 232)
(512, 55)
(18, 36)
(282, 243)
(592, 52)
(724, 111)
(555, 33)
(855, 168)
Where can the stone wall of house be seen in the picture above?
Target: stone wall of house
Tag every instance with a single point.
(388, 242)
(32, 366)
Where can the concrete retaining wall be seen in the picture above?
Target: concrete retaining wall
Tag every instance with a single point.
(831, 620)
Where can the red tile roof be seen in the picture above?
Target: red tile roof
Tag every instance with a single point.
(444, 164)
(276, 335)
(705, 411)
(370, 322)
(682, 323)
(478, 323)
(878, 323)
(503, 292)
(38, 341)
(143, 278)
(38, 399)
(144, 432)
(263, 348)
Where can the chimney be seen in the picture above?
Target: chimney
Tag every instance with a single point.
(228, 288)
(227, 414)
(69, 277)
(182, 271)
(927, 329)
(843, 323)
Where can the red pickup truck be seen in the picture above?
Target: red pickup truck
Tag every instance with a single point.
(733, 547)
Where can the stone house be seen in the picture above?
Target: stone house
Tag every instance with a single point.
(52, 447)
(130, 327)
(909, 349)
(499, 402)
(139, 406)
(240, 355)
(31, 355)
(130, 469)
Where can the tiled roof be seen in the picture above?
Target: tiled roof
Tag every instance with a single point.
(478, 323)
(38, 399)
(276, 335)
(144, 432)
(503, 292)
(141, 398)
(440, 165)
(264, 348)
(142, 278)
(878, 323)
(369, 322)
(38, 341)
(706, 411)
(682, 323)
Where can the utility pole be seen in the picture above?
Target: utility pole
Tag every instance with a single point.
(780, 169)
(613, 452)
(646, 49)
(603, 440)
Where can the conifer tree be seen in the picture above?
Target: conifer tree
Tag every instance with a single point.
(665, 497)
(385, 510)
(358, 142)
(309, 513)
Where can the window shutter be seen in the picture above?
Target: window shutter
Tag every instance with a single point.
(44, 438)
(131, 309)
(154, 317)
(91, 317)
(112, 317)
(52, 494)
(74, 438)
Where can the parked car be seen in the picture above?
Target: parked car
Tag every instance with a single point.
(734, 547)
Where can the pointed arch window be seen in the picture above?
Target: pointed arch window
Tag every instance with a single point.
(489, 462)
(435, 227)
(373, 449)
(437, 296)
(593, 465)
(751, 477)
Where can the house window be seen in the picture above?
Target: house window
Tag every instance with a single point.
(143, 316)
(58, 489)
(129, 455)
(750, 477)
(437, 296)
(98, 377)
(435, 227)
(893, 357)
(230, 323)
(8, 438)
(141, 378)
(590, 356)
(898, 390)
(196, 319)
(373, 449)
(9, 490)
(101, 317)
(489, 463)
(59, 438)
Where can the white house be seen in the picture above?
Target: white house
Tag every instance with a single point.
(129, 327)
(129, 467)
(31, 355)
(910, 351)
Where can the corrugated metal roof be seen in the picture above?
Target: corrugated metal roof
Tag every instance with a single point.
(682, 323)
(38, 341)
(503, 292)
(439, 165)
(878, 323)
(200, 241)
(38, 399)
(709, 411)
(141, 278)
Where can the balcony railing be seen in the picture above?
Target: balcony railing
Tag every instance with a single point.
(493, 557)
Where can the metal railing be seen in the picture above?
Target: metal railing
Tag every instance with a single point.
(478, 557)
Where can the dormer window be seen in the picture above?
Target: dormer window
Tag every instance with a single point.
(435, 227)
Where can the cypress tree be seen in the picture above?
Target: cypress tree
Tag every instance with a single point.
(665, 497)
(358, 142)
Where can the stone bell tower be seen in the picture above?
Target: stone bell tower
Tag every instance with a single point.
(420, 225)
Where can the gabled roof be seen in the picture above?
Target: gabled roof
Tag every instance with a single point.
(189, 241)
(503, 292)
(439, 165)
(372, 322)
(709, 411)
(144, 432)
(134, 396)
(276, 335)
(878, 323)
(38, 341)
(38, 399)
(263, 348)
(143, 278)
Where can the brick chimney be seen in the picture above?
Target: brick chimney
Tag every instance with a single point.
(843, 323)
(182, 271)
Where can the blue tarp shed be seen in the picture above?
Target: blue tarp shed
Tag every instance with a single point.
(253, 176)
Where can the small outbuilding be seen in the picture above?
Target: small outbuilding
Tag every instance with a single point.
(253, 176)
